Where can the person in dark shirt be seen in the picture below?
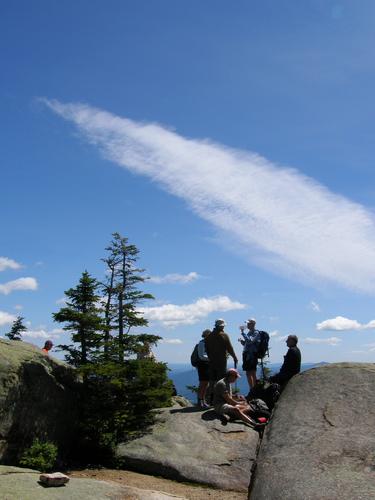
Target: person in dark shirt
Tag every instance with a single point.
(292, 362)
(218, 347)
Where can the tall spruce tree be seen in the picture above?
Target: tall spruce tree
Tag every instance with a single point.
(122, 297)
(17, 329)
(82, 317)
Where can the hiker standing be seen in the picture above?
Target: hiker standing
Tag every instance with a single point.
(292, 362)
(250, 341)
(203, 370)
(218, 347)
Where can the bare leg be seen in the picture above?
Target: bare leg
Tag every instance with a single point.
(203, 384)
(251, 378)
(239, 414)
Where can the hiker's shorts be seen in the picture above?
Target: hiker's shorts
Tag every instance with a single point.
(203, 372)
(249, 362)
(225, 409)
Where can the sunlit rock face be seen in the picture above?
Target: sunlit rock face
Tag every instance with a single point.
(38, 398)
(320, 443)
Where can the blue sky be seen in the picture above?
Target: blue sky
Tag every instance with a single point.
(231, 142)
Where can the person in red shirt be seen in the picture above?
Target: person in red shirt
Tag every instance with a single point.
(47, 346)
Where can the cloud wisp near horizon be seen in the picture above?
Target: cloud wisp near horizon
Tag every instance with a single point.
(283, 220)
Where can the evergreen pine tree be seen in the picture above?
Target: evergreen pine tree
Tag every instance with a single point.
(17, 329)
(82, 317)
(123, 297)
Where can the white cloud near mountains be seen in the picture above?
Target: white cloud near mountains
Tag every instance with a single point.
(175, 278)
(18, 284)
(172, 315)
(340, 323)
(283, 220)
(6, 318)
(333, 341)
(6, 263)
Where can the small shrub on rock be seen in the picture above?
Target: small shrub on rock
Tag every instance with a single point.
(40, 456)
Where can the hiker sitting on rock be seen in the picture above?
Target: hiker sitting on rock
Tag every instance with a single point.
(226, 404)
(292, 362)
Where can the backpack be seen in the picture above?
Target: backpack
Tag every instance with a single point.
(259, 408)
(263, 344)
(194, 358)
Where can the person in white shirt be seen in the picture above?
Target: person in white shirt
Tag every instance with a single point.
(203, 371)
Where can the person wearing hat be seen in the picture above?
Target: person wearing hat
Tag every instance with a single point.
(250, 341)
(292, 362)
(218, 347)
(225, 404)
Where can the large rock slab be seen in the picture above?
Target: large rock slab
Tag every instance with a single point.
(188, 445)
(38, 398)
(320, 443)
(23, 484)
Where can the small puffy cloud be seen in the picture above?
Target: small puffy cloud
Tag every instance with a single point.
(275, 333)
(340, 323)
(6, 263)
(19, 284)
(172, 315)
(175, 278)
(314, 306)
(171, 341)
(6, 318)
(330, 341)
(18, 307)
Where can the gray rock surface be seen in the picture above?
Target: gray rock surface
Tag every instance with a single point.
(38, 397)
(189, 445)
(320, 444)
(23, 484)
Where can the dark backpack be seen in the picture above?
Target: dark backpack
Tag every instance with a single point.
(194, 358)
(263, 344)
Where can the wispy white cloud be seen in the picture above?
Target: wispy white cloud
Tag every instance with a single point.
(314, 306)
(182, 279)
(43, 333)
(6, 318)
(330, 341)
(61, 302)
(171, 341)
(19, 284)
(171, 315)
(18, 307)
(275, 333)
(6, 263)
(280, 218)
(340, 323)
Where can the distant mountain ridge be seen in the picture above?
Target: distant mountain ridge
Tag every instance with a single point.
(183, 375)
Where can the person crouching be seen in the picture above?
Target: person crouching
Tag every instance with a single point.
(226, 404)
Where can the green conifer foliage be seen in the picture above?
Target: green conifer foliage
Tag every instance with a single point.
(17, 329)
(82, 317)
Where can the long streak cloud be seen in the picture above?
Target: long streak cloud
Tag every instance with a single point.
(283, 220)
